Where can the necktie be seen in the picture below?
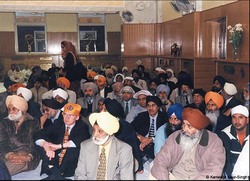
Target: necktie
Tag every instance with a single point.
(65, 139)
(101, 172)
(152, 129)
(186, 100)
(126, 109)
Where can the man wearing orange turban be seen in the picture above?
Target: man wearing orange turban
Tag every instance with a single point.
(218, 121)
(192, 153)
(59, 144)
(63, 83)
(102, 86)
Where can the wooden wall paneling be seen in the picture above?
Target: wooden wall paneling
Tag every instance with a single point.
(171, 33)
(54, 39)
(158, 40)
(139, 39)
(239, 13)
(7, 45)
(187, 35)
(235, 72)
(114, 43)
(236, 12)
(204, 72)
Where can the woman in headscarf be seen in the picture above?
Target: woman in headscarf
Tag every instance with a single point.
(71, 58)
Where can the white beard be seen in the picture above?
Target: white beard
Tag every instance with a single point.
(15, 117)
(187, 141)
(213, 116)
(100, 141)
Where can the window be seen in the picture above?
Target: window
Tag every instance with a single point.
(92, 33)
(30, 33)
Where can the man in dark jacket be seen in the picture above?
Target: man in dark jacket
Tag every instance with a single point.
(17, 148)
(146, 124)
(59, 144)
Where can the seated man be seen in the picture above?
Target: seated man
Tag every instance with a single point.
(234, 137)
(218, 121)
(146, 124)
(104, 157)
(59, 144)
(192, 153)
(199, 100)
(174, 123)
(17, 148)
(51, 113)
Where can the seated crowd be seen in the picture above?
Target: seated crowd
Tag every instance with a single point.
(109, 124)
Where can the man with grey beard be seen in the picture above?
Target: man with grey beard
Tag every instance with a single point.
(192, 153)
(16, 137)
(218, 121)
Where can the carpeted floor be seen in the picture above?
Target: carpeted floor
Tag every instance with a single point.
(35, 174)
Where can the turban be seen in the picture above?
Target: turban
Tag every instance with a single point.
(196, 118)
(154, 99)
(64, 81)
(109, 71)
(159, 69)
(129, 78)
(162, 88)
(15, 86)
(91, 74)
(117, 85)
(18, 102)
(114, 107)
(200, 92)
(52, 103)
(215, 97)
(7, 82)
(71, 108)
(220, 79)
(230, 89)
(91, 85)
(115, 68)
(60, 92)
(26, 93)
(124, 68)
(240, 110)
(106, 121)
(142, 92)
(186, 81)
(101, 80)
(171, 71)
(119, 75)
(176, 109)
(127, 89)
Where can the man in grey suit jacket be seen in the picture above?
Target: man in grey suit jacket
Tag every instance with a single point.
(118, 154)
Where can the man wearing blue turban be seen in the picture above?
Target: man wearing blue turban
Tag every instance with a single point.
(174, 115)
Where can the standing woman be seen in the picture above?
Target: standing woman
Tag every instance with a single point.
(70, 60)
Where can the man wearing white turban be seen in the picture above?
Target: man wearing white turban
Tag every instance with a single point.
(118, 154)
(17, 130)
(234, 137)
(33, 107)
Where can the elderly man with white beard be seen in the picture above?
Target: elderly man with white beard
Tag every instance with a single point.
(218, 121)
(192, 153)
(104, 157)
(16, 137)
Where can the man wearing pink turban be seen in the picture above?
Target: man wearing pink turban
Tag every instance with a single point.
(17, 130)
